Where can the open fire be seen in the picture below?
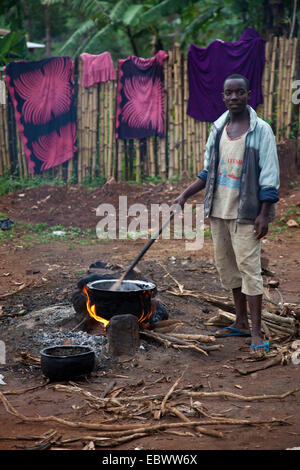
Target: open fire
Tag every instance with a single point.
(92, 309)
(103, 304)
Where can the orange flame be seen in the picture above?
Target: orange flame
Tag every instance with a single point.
(145, 316)
(92, 309)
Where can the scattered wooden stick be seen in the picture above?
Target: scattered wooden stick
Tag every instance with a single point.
(166, 326)
(190, 346)
(3, 296)
(271, 322)
(44, 444)
(196, 337)
(156, 338)
(169, 341)
(279, 323)
(166, 426)
(114, 435)
(174, 339)
(180, 433)
(168, 322)
(24, 390)
(240, 397)
(19, 438)
(29, 359)
(180, 286)
(220, 302)
(167, 396)
(108, 389)
(169, 328)
(200, 429)
(78, 324)
(109, 442)
(180, 392)
(265, 365)
(89, 396)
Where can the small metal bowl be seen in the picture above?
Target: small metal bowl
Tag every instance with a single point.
(63, 362)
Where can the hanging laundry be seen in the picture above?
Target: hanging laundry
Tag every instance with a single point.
(97, 68)
(209, 67)
(43, 96)
(140, 97)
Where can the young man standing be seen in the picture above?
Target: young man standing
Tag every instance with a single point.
(241, 181)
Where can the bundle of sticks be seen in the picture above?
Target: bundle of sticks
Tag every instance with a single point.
(272, 323)
(282, 319)
(183, 340)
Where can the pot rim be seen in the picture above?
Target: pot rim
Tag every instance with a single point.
(87, 349)
(147, 285)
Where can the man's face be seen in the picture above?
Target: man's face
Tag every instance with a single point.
(235, 95)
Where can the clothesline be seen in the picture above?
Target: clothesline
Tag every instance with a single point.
(44, 101)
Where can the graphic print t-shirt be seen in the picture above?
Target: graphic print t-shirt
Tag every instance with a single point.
(227, 190)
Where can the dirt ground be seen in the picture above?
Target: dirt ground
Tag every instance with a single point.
(48, 274)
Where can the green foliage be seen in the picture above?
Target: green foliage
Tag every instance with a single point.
(136, 26)
(41, 233)
(141, 26)
(12, 10)
(279, 225)
(9, 184)
(165, 8)
(95, 182)
(131, 15)
(12, 47)
(86, 28)
(293, 184)
(208, 15)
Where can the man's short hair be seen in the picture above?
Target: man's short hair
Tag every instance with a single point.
(241, 77)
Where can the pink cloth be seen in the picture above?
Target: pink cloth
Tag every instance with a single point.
(44, 103)
(97, 68)
(140, 97)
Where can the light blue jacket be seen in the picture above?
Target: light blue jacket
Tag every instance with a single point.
(260, 170)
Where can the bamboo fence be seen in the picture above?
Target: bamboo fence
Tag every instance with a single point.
(180, 152)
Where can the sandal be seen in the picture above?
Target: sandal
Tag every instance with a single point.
(233, 332)
(260, 350)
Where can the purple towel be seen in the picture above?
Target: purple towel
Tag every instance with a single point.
(208, 68)
(43, 96)
(140, 97)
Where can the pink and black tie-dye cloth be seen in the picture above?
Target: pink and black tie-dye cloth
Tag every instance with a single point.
(140, 97)
(97, 68)
(43, 96)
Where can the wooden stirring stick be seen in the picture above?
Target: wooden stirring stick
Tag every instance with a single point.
(117, 284)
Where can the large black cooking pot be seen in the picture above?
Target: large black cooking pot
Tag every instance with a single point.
(133, 297)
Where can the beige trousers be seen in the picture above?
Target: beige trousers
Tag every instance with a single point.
(237, 255)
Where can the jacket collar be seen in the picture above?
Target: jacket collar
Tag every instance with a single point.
(221, 121)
